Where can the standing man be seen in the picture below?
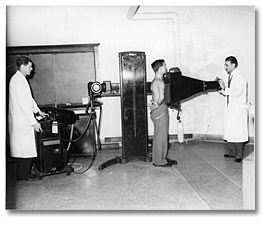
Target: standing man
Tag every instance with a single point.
(22, 123)
(236, 114)
(159, 116)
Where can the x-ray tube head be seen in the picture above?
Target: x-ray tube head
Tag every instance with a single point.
(179, 87)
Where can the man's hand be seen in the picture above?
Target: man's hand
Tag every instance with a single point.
(222, 84)
(37, 127)
(43, 114)
(153, 105)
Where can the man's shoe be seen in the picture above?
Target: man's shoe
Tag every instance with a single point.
(171, 161)
(165, 165)
(238, 160)
(229, 156)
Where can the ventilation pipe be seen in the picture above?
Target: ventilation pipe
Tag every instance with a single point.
(134, 15)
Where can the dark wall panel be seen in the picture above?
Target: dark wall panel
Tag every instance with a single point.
(42, 81)
(61, 72)
(72, 73)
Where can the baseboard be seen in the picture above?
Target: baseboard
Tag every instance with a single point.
(215, 138)
(150, 137)
(115, 142)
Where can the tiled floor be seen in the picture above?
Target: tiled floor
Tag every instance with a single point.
(202, 180)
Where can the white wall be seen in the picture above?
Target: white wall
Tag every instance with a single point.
(207, 36)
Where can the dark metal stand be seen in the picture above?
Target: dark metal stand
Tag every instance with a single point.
(133, 109)
(123, 160)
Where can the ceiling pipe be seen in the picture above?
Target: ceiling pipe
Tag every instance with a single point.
(134, 15)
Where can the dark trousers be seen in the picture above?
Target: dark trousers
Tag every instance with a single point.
(24, 166)
(236, 149)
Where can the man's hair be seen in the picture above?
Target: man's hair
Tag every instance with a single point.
(233, 60)
(23, 60)
(157, 64)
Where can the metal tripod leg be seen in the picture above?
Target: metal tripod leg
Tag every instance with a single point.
(110, 163)
(98, 134)
(35, 170)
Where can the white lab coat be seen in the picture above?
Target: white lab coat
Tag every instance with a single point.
(236, 113)
(21, 118)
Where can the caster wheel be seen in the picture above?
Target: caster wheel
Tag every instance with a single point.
(124, 160)
(147, 159)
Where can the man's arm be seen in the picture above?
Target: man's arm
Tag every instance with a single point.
(161, 87)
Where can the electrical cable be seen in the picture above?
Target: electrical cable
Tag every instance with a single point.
(91, 163)
(87, 126)
(70, 138)
(70, 141)
(77, 164)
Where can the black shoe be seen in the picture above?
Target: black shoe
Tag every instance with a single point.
(171, 161)
(229, 156)
(238, 160)
(165, 165)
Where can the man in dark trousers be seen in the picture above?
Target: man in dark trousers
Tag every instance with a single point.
(236, 113)
(22, 123)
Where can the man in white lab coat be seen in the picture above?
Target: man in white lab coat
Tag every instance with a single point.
(236, 113)
(22, 123)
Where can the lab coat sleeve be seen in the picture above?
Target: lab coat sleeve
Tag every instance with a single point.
(237, 87)
(35, 107)
(22, 99)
